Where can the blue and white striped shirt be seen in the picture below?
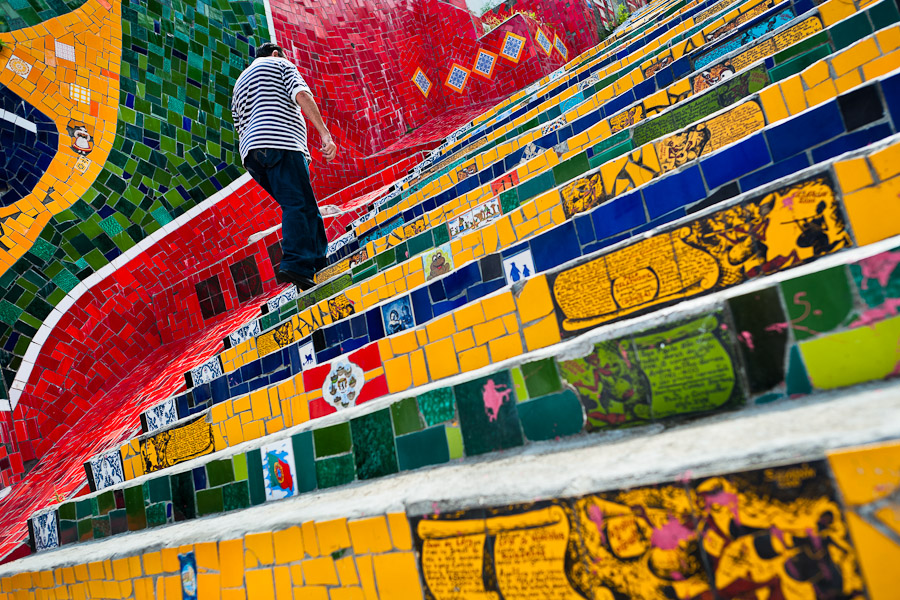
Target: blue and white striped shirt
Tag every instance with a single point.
(263, 108)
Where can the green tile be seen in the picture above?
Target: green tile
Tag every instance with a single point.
(406, 416)
(487, 414)
(551, 417)
(68, 532)
(850, 30)
(118, 522)
(385, 259)
(159, 489)
(571, 168)
(240, 467)
(884, 14)
(798, 63)
(210, 502)
(454, 441)
(67, 511)
(101, 528)
(255, 477)
(84, 508)
(509, 200)
(423, 448)
(156, 514)
(86, 529)
(800, 47)
(338, 470)
(304, 461)
(183, 504)
(818, 302)
(219, 472)
(541, 377)
(363, 275)
(519, 384)
(105, 503)
(420, 243)
(134, 508)
(437, 405)
(536, 185)
(373, 445)
(332, 440)
(236, 495)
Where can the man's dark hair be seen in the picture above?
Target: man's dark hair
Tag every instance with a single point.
(268, 49)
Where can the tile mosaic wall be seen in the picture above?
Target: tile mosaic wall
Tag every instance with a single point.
(734, 353)
(782, 530)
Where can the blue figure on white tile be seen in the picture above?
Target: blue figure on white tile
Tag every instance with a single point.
(307, 355)
(161, 415)
(519, 266)
(107, 470)
(46, 536)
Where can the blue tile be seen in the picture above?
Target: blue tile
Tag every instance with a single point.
(199, 474)
(675, 191)
(805, 131)
(259, 382)
(354, 344)
(619, 102)
(294, 357)
(251, 370)
(619, 214)
(446, 306)
(374, 324)
(514, 250)
(239, 390)
(890, 88)
(741, 158)
(202, 393)
(480, 290)
(437, 291)
(659, 221)
(606, 243)
(271, 362)
(358, 326)
(585, 228)
(456, 282)
(421, 305)
(219, 389)
(851, 141)
(555, 247)
(664, 77)
(279, 376)
(776, 171)
(332, 336)
(327, 354)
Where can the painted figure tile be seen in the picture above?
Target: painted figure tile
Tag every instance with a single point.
(279, 469)
(280, 337)
(778, 531)
(245, 332)
(307, 355)
(208, 371)
(163, 414)
(188, 571)
(46, 534)
(877, 280)
(107, 469)
(487, 414)
(518, 266)
(343, 384)
(397, 315)
(437, 262)
(766, 234)
(470, 220)
(179, 444)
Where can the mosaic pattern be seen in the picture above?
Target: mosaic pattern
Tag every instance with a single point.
(485, 63)
(160, 416)
(512, 47)
(106, 471)
(424, 84)
(457, 78)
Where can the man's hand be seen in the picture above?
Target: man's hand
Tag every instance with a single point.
(329, 148)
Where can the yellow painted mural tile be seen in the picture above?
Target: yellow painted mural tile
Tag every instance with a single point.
(320, 571)
(397, 576)
(441, 358)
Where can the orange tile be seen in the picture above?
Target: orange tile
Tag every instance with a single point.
(333, 535)
(288, 545)
(370, 536)
(400, 531)
(397, 576)
(260, 585)
(441, 358)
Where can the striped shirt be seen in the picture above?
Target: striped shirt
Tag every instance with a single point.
(263, 107)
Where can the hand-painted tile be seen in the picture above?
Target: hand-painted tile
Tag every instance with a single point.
(280, 470)
(487, 414)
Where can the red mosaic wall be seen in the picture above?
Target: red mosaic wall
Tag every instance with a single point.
(359, 58)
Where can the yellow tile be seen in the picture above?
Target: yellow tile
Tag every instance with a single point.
(241, 404)
(874, 211)
(815, 74)
(835, 10)
(282, 583)
(505, 347)
(259, 404)
(510, 323)
(419, 367)
(207, 555)
(311, 593)
(794, 96)
(463, 340)
(854, 56)
(542, 334)
(505, 232)
(397, 576)
(121, 571)
(501, 304)
(349, 593)
(310, 543)
(260, 585)
(821, 93)
(853, 174)
(534, 300)
(878, 557)
(441, 358)
(486, 332)
(95, 569)
(400, 531)
(333, 535)
(319, 571)
(881, 66)
(888, 39)
(848, 81)
(475, 358)
(288, 545)
(346, 569)
(208, 586)
(231, 561)
(259, 551)
(886, 162)
(173, 586)
(468, 316)
(440, 328)
(152, 566)
(404, 343)
(398, 374)
(370, 536)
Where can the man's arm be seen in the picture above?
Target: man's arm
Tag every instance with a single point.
(310, 109)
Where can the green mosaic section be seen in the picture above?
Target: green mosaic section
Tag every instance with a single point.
(175, 146)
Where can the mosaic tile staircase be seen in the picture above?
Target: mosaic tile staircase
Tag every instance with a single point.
(761, 337)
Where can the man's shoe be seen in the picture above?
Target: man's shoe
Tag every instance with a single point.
(302, 282)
